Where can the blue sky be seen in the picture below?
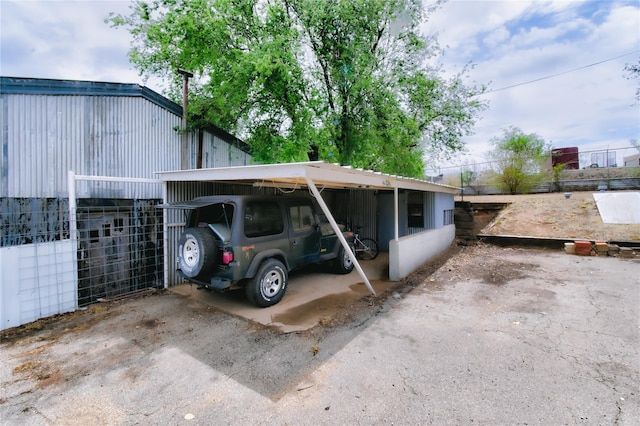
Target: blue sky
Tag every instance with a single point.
(576, 102)
(581, 103)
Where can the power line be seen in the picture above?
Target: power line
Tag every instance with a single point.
(561, 73)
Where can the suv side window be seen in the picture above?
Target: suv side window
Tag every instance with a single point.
(262, 218)
(301, 217)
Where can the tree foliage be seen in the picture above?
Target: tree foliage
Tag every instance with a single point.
(632, 71)
(346, 81)
(518, 159)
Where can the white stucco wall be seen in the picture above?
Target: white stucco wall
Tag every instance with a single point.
(407, 253)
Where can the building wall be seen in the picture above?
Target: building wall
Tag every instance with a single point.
(50, 127)
(407, 253)
(632, 160)
(437, 212)
(444, 208)
(45, 136)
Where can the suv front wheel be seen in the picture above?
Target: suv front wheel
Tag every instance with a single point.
(269, 285)
(342, 264)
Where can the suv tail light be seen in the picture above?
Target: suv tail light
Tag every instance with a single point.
(227, 257)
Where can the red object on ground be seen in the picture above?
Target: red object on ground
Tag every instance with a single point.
(583, 248)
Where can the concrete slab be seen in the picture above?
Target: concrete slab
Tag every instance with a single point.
(618, 207)
(312, 296)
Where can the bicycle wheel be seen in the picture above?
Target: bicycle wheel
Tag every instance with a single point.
(368, 249)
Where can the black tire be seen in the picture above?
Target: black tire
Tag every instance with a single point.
(343, 264)
(269, 285)
(197, 252)
(370, 251)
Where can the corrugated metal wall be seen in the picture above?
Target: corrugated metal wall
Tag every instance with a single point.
(218, 153)
(45, 136)
(356, 207)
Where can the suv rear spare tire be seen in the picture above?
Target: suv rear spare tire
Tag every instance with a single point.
(196, 252)
(269, 285)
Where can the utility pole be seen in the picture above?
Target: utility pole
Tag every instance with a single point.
(184, 152)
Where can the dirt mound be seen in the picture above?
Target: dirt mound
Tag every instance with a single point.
(554, 216)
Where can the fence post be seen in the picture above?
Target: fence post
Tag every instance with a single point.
(71, 185)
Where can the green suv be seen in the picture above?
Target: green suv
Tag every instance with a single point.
(253, 242)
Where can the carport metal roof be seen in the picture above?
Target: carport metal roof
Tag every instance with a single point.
(292, 175)
(311, 175)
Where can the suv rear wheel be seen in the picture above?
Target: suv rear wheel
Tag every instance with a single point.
(196, 252)
(269, 285)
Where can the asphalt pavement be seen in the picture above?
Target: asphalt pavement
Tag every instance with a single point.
(496, 336)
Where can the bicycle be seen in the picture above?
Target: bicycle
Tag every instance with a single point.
(365, 248)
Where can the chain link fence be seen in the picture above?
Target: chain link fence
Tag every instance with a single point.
(592, 170)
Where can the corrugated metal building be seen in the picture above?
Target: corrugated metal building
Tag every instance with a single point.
(102, 129)
(51, 127)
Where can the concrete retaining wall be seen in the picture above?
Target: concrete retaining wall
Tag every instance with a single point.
(407, 253)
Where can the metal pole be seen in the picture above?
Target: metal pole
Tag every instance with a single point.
(71, 186)
(165, 234)
(73, 225)
(185, 137)
(396, 215)
(336, 229)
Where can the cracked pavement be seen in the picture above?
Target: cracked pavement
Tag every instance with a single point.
(493, 336)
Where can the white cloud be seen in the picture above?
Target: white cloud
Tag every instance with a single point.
(65, 39)
(496, 38)
(516, 42)
(510, 42)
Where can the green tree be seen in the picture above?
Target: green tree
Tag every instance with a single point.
(467, 177)
(518, 159)
(632, 71)
(345, 81)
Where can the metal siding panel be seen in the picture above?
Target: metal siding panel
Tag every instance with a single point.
(45, 136)
(217, 153)
(221, 153)
(355, 207)
(430, 210)
(4, 145)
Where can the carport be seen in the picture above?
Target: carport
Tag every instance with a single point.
(406, 252)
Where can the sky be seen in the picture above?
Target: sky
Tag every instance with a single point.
(553, 68)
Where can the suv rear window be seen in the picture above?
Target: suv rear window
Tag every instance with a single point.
(262, 218)
(214, 213)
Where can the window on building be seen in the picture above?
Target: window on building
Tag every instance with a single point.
(448, 217)
(415, 210)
